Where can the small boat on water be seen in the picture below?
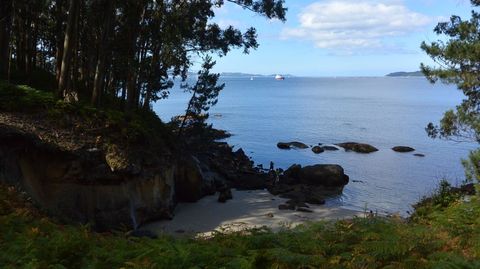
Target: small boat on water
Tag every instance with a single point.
(279, 77)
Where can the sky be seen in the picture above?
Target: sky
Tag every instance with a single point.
(339, 37)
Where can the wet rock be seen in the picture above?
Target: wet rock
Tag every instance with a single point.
(358, 147)
(403, 149)
(293, 171)
(323, 174)
(330, 148)
(282, 145)
(289, 145)
(419, 155)
(317, 150)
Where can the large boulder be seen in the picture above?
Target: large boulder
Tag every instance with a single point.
(293, 171)
(357, 147)
(330, 175)
(317, 150)
(289, 145)
(403, 149)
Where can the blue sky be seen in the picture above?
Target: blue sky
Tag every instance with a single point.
(339, 37)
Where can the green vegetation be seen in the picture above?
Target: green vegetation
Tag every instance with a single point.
(131, 50)
(445, 235)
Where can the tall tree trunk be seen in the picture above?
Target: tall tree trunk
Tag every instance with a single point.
(136, 8)
(59, 39)
(68, 46)
(152, 80)
(100, 68)
(6, 11)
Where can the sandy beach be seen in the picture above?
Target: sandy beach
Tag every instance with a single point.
(248, 209)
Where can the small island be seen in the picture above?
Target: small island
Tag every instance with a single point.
(406, 74)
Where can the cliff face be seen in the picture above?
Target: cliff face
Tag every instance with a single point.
(85, 186)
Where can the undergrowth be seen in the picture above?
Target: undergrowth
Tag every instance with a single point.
(447, 237)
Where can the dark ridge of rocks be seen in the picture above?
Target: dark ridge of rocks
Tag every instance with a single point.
(317, 150)
(290, 145)
(330, 148)
(403, 149)
(357, 147)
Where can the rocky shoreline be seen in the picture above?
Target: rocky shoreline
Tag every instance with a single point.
(112, 186)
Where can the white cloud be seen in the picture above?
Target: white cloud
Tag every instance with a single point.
(351, 25)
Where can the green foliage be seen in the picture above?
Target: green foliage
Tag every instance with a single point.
(472, 166)
(23, 98)
(457, 61)
(444, 238)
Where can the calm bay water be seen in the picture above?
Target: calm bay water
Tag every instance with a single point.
(384, 112)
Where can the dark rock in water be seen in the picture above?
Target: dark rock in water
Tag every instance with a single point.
(282, 145)
(419, 155)
(142, 233)
(225, 195)
(270, 215)
(289, 145)
(306, 210)
(323, 174)
(358, 147)
(286, 207)
(317, 150)
(329, 148)
(403, 149)
(299, 145)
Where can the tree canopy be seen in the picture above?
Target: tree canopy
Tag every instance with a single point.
(458, 62)
(122, 52)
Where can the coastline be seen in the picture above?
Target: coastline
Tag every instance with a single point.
(247, 210)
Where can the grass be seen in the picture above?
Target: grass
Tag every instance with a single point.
(446, 237)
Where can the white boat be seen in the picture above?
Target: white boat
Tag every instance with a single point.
(251, 78)
(279, 77)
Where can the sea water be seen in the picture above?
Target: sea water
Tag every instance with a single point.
(382, 111)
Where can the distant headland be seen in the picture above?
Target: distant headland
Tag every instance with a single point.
(406, 74)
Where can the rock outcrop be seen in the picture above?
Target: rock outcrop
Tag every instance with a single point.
(112, 188)
(290, 145)
(310, 184)
(403, 149)
(317, 149)
(357, 147)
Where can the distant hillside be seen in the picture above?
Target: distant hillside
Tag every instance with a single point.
(239, 74)
(406, 74)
